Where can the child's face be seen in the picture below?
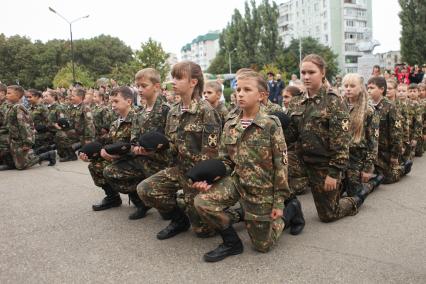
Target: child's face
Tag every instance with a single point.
(88, 98)
(169, 97)
(413, 94)
(402, 92)
(375, 92)
(248, 94)
(119, 104)
(391, 92)
(352, 89)
(211, 95)
(97, 99)
(184, 86)
(311, 75)
(2, 96)
(12, 96)
(75, 99)
(287, 98)
(48, 99)
(178, 99)
(422, 93)
(146, 88)
(33, 100)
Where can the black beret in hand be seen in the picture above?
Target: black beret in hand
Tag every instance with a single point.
(284, 118)
(63, 123)
(41, 128)
(118, 148)
(153, 140)
(92, 149)
(207, 170)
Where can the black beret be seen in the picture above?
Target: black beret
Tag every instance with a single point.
(63, 123)
(91, 149)
(207, 170)
(41, 128)
(118, 148)
(154, 141)
(284, 118)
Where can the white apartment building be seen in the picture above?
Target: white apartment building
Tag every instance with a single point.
(339, 24)
(202, 50)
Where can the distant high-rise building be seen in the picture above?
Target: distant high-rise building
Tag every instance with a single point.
(339, 24)
(202, 50)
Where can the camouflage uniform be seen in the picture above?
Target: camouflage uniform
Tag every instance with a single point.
(321, 124)
(297, 175)
(362, 155)
(102, 121)
(126, 174)
(390, 141)
(406, 121)
(417, 133)
(120, 131)
(423, 106)
(256, 160)
(271, 107)
(222, 111)
(194, 136)
(81, 129)
(38, 114)
(4, 133)
(21, 138)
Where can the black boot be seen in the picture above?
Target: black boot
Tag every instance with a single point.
(293, 216)
(48, 156)
(361, 195)
(71, 156)
(141, 208)
(180, 223)
(407, 167)
(112, 199)
(376, 181)
(231, 245)
(237, 214)
(166, 215)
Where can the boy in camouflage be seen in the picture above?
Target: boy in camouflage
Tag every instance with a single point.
(254, 152)
(21, 136)
(127, 173)
(416, 109)
(3, 130)
(81, 128)
(38, 112)
(193, 128)
(212, 93)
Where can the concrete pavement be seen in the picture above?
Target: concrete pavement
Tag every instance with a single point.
(49, 234)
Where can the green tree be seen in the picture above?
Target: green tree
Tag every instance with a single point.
(153, 55)
(64, 77)
(413, 34)
(289, 60)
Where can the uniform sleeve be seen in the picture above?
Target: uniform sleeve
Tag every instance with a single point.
(280, 162)
(135, 131)
(418, 121)
(339, 137)
(223, 153)
(212, 126)
(89, 127)
(396, 132)
(25, 128)
(371, 136)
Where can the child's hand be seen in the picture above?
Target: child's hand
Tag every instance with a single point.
(107, 156)
(83, 157)
(201, 186)
(276, 213)
(330, 183)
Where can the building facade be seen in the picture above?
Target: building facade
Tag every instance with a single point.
(202, 50)
(389, 59)
(339, 24)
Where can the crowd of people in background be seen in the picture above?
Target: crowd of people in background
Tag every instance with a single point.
(192, 156)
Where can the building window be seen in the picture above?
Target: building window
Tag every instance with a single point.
(351, 47)
(349, 23)
(351, 59)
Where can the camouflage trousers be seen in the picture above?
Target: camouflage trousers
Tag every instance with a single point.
(19, 158)
(263, 231)
(297, 176)
(329, 204)
(159, 191)
(419, 147)
(408, 153)
(96, 169)
(42, 139)
(64, 141)
(125, 174)
(391, 172)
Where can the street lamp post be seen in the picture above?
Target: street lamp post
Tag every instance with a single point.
(72, 46)
(229, 59)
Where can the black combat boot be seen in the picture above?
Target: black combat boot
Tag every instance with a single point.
(141, 208)
(112, 199)
(71, 156)
(293, 216)
(376, 181)
(407, 167)
(166, 215)
(180, 223)
(361, 194)
(231, 245)
(48, 156)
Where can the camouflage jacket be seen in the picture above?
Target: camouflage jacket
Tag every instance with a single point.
(391, 132)
(321, 126)
(271, 107)
(403, 110)
(222, 111)
(20, 126)
(4, 133)
(154, 120)
(121, 129)
(55, 111)
(81, 121)
(194, 134)
(39, 115)
(366, 150)
(101, 118)
(258, 156)
(416, 120)
(295, 107)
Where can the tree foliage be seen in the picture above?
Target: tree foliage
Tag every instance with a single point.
(64, 77)
(413, 34)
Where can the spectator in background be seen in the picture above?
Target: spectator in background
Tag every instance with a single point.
(376, 71)
(280, 87)
(293, 80)
(416, 76)
(220, 81)
(272, 86)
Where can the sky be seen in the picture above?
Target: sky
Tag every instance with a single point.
(173, 23)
